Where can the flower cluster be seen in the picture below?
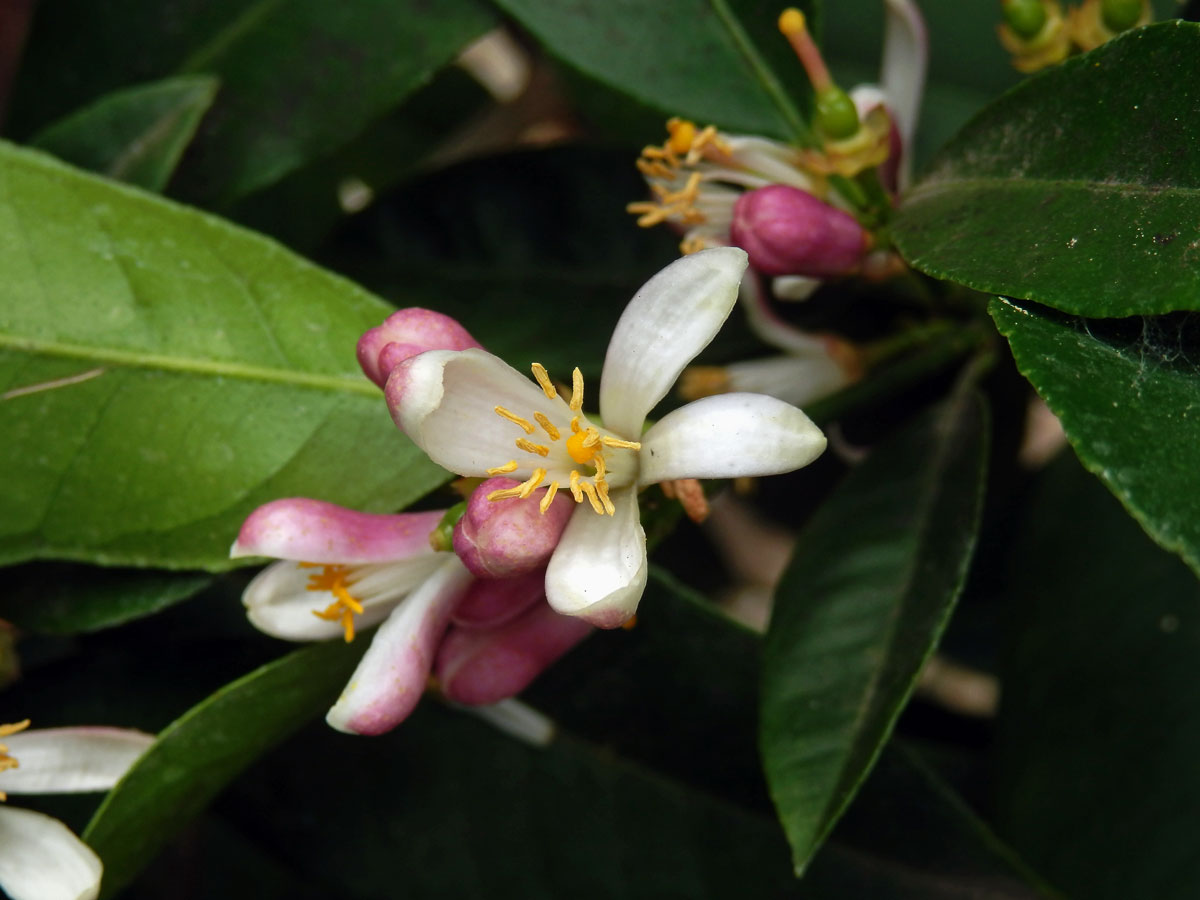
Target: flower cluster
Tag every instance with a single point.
(1038, 34)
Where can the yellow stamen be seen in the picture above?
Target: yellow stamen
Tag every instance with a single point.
(525, 424)
(505, 493)
(619, 444)
(589, 490)
(510, 466)
(576, 403)
(575, 427)
(534, 482)
(545, 422)
(602, 493)
(332, 578)
(530, 447)
(548, 498)
(682, 136)
(543, 378)
(574, 486)
(601, 469)
(6, 761)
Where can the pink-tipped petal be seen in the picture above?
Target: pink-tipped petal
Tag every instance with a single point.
(511, 536)
(390, 678)
(406, 333)
(481, 667)
(491, 602)
(71, 760)
(787, 231)
(314, 531)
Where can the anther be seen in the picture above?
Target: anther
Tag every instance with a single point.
(525, 424)
(510, 466)
(619, 444)
(543, 379)
(682, 136)
(589, 491)
(575, 427)
(545, 422)
(549, 498)
(530, 447)
(592, 438)
(602, 492)
(534, 482)
(574, 486)
(576, 403)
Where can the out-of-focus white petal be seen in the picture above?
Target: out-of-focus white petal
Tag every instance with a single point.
(445, 401)
(798, 380)
(40, 859)
(728, 436)
(794, 287)
(390, 678)
(902, 72)
(669, 320)
(279, 603)
(763, 321)
(599, 570)
(71, 760)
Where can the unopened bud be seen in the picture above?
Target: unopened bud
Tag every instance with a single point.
(787, 231)
(511, 536)
(406, 333)
(1025, 17)
(1120, 15)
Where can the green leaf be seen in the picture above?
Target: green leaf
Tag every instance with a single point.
(719, 62)
(1126, 393)
(299, 78)
(861, 607)
(135, 135)
(1080, 189)
(163, 372)
(70, 599)
(205, 749)
(1099, 721)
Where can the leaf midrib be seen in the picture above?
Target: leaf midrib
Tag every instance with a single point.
(131, 359)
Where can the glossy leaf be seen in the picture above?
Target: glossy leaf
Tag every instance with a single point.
(69, 599)
(299, 79)
(1100, 714)
(162, 373)
(136, 135)
(1126, 393)
(861, 607)
(198, 754)
(719, 62)
(1080, 189)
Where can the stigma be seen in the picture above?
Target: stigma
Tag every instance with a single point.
(571, 452)
(333, 578)
(6, 761)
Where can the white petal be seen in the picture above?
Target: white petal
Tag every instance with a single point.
(279, 603)
(794, 288)
(71, 760)
(598, 570)
(727, 436)
(798, 380)
(446, 402)
(391, 677)
(40, 859)
(902, 72)
(669, 320)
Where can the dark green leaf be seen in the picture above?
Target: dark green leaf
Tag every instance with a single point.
(1100, 718)
(135, 135)
(860, 609)
(718, 62)
(198, 754)
(69, 599)
(1079, 189)
(299, 79)
(162, 373)
(1127, 394)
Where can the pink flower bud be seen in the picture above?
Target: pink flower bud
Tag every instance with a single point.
(787, 231)
(404, 334)
(481, 667)
(490, 602)
(503, 538)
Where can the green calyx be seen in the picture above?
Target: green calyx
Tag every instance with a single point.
(1119, 15)
(442, 537)
(836, 116)
(1025, 17)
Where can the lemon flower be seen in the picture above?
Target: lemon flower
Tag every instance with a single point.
(40, 859)
(469, 411)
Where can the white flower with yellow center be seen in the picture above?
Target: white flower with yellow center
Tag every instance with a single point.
(477, 416)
